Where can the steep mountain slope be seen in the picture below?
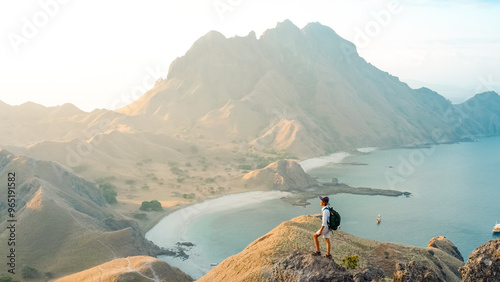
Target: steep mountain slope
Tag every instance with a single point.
(63, 223)
(306, 91)
(481, 113)
(286, 252)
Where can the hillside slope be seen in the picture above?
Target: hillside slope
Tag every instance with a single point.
(137, 269)
(272, 256)
(63, 223)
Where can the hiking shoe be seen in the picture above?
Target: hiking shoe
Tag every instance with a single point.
(328, 256)
(316, 254)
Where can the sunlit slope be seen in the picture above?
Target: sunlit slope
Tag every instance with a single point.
(306, 91)
(63, 222)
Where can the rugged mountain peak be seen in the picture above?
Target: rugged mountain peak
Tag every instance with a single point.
(284, 27)
(322, 33)
(212, 38)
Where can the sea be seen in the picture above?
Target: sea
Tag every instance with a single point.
(455, 192)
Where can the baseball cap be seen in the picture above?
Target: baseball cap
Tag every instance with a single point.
(326, 200)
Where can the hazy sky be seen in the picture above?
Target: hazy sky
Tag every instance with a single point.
(103, 54)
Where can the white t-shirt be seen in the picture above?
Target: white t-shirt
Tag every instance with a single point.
(326, 216)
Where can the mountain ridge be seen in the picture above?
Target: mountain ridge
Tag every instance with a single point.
(311, 76)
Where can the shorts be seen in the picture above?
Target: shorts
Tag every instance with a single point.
(325, 233)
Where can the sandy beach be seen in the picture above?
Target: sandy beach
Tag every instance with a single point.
(309, 164)
(174, 227)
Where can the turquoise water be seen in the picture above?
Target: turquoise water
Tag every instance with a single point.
(455, 193)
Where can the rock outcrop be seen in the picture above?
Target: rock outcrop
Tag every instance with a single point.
(414, 271)
(483, 263)
(138, 269)
(304, 267)
(445, 245)
(284, 254)
(282, 175)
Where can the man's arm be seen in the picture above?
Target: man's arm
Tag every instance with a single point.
(321, 230)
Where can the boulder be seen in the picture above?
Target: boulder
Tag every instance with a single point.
(483, 263)
(369, 274)
(414, 271)
(305, 267)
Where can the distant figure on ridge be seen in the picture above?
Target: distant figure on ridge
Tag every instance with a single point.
(324, 230)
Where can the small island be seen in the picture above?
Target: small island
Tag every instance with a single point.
(300, 198)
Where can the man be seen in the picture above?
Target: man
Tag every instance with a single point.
(324, 230)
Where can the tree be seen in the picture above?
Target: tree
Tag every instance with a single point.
(108, 192)
(29, 272)
(153, 205)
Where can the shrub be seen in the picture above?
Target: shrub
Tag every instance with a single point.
(176, 170)
(7, 279)
(29, 272)
(350, 261)
(108, 192)
(189, 196)
(153, 205)
(110, 196)
(140, 216)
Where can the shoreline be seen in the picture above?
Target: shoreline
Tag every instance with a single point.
(313, 163)
(335, 158)
(190, 213)
(296, 197)
(170, 232)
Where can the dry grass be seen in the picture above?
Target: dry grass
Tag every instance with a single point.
(256, 261)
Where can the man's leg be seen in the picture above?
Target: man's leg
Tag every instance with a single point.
(316, 242)
(327, 246)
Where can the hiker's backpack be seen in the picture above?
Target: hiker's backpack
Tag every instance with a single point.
(334, 221)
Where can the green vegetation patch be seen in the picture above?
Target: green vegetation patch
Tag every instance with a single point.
(108, 192)
(153, 205)
(350, 262)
